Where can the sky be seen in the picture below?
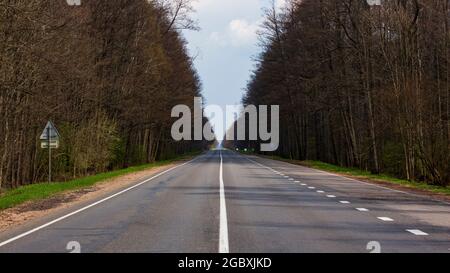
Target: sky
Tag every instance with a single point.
(224, 48)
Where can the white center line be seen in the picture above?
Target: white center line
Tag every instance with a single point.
(417, 232)
(362, 209)
(386, 219)
(223, 231)
(344, 202)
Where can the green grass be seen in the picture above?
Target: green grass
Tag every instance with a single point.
(358, 173)
(41, 191)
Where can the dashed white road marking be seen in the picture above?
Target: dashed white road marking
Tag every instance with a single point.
(386, 219)
(413, 231)
(223, 230)
(311, 188)
(361, 182)
(418, 232)
(291, 179)
(320, 191)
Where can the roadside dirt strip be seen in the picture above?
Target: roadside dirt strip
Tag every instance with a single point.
(29, 211)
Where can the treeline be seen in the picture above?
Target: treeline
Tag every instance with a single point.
(107, 73)
(359, 85)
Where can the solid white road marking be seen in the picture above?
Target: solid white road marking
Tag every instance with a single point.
(90, 206)
(386, 219)
(331, 196)
(344, 202)
(362, 209)
(417, 232)
(223, 230)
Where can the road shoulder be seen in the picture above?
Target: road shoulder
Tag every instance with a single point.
(32, 212)
(393, 186)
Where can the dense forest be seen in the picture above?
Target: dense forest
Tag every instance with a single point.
(107, 73)
(359, 85)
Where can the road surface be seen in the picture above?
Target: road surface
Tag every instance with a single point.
(226, 202)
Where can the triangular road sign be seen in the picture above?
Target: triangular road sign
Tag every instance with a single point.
(50, 129)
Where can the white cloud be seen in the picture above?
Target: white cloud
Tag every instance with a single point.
(228, 25)
(227, 40)
(242, 32)
(239, 33)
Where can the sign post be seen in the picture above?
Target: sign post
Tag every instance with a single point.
(50, 140)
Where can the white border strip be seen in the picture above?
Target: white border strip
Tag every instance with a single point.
(90, 206)
(417, 232)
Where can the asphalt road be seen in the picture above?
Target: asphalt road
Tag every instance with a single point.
(226, 202)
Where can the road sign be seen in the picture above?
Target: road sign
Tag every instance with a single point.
(54, 144)
(50, 140)
(50, 132)
(374, 2)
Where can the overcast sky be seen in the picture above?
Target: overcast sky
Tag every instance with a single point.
(224, 47)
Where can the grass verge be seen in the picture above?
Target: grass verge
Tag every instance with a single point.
(366, 175)
(40, 191)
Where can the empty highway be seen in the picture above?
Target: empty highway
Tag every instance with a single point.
(224, 202)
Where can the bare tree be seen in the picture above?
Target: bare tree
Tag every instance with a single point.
(368, 86)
